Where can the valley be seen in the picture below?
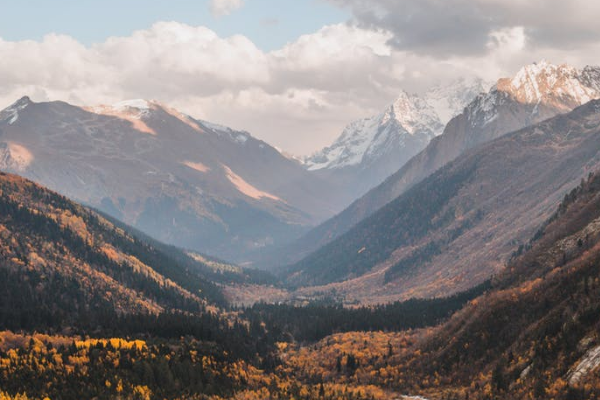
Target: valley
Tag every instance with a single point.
(444, 249)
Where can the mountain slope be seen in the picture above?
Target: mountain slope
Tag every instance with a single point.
(459, 226)
(535, 333)
(183, 181)
(532, 335)
(537, 92)
(61, 262)
(371, 149)
(409, 120)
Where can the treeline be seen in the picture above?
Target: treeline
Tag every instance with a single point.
(316, 321)
(62, 307)
(116, 368)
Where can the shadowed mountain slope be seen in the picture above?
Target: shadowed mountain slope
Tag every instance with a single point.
(460, 225)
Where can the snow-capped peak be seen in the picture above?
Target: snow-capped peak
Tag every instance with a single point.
(546, 82)
(11, 113)
(409, 115)
(412, 113)
(542, 85)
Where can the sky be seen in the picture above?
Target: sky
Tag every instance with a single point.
(267, 23)
(291, 72)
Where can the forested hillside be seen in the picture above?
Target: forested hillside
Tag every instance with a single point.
(533, 335)
(90, 310)
(460, 225)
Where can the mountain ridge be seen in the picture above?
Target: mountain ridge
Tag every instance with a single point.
(488, 116)
(181, 180)
(460, 225)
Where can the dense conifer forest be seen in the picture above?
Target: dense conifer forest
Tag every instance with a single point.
(90, 310)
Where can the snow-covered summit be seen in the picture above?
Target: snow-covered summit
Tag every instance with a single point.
(545, 82)
(422, 117)
(413, 113)
(545, 87)
(407, 116)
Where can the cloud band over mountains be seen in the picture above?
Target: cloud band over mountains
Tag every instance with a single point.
(300, 96)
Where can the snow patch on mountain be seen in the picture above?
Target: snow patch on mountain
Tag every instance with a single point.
(215, 127)
(133, 109)
(11, 113)
(142, 105)
(241, 138)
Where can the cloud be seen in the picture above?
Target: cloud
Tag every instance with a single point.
(298, 97)
(220, 8)
(463, 27)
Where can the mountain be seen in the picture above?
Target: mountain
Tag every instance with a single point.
(533, 333)
(405, 124)
(537, 92)
(536, 330)
(61, 262)
(460, 225)
(183, 181)
(371, 149)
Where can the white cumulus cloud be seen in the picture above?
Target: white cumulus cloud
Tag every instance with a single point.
(220, 8)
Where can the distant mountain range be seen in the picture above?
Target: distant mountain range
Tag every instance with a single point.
(461, 224)
(222, 192)
(371, 149)
(537, 92)
(204, 186)
(183, 181)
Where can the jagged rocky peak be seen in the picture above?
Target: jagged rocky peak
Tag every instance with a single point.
(413, 113)
(559, 85)
(548, 88)
(408, 115)
(420, 117)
